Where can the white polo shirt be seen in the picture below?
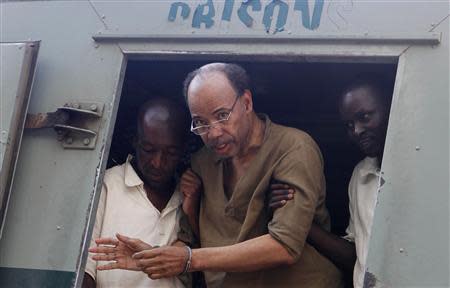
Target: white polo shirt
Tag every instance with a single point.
(124, 208)
(363, 194)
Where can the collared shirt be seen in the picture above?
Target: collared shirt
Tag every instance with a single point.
(362, 192)
(125, 208)
(287, 155)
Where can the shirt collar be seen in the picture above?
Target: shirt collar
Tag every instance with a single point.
(131, 177)
(263, 117)
(370, 165)
(175, 201)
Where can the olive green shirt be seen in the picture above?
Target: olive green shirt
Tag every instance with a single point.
(287, 155)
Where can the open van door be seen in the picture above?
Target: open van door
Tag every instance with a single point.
(17, 66)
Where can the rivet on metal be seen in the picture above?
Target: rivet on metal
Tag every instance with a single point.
(93, 107)
(402, 250)
(58, 227)
(86, 141)
(69, 140)
(417, 148)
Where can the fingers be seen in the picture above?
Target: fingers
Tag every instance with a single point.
(102, 249)
(285, 197)
(279, 186)
(281, 194)
(107, 241)
(156, 276)
(109, 266)
(190, 174)
(104, 257)
(159, 272)
(189, 177)
(279, 198)
(133, 243)
(146, 254)
(276, 205)
(148, 263)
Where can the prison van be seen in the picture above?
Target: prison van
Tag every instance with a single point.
(74, 73)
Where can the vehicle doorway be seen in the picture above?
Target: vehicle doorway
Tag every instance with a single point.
(297, 94)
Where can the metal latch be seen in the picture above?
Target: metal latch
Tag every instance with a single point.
(76, 124)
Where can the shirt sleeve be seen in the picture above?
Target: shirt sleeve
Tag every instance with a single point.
(91, 265)
(302, 169)
(350, 231)
(186, 234)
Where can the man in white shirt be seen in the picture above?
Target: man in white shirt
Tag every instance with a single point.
(140, 198)
(364, 108)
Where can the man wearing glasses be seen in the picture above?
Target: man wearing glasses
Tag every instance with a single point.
(244, 244)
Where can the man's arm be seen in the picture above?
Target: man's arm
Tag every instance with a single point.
(255, 254)
(340, 251)
(191, 187)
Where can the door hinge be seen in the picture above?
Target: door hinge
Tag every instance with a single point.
(76, 124)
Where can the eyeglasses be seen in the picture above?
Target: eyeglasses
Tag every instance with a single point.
(223, 118)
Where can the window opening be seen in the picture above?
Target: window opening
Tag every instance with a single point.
(297, 94)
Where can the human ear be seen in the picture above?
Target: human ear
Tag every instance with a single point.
(247, 99)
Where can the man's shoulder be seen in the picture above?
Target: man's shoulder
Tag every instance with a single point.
(204, 154)
(289, 137)
(115, 172)
(367, 164)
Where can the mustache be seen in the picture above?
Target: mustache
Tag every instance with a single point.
(217, 142)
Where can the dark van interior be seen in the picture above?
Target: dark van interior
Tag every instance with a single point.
(297, 94)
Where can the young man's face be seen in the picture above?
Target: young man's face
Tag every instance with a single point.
(365, 116)
(211, 98)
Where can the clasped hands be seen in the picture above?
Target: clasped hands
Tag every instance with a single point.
(133, 254)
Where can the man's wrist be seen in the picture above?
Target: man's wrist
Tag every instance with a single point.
(187, 265)
(196, 261)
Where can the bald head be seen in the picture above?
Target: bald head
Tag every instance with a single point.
(164, 112)
(235, 74)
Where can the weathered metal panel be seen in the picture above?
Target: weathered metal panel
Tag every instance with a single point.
(297, 17)
(410, 238)
(53, 202)
(17, 65)
(53, 190)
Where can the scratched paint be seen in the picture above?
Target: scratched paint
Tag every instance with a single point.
(275, 13)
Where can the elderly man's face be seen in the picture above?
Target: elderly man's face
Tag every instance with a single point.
(366, 119)
(158, 151)
(211, 98)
